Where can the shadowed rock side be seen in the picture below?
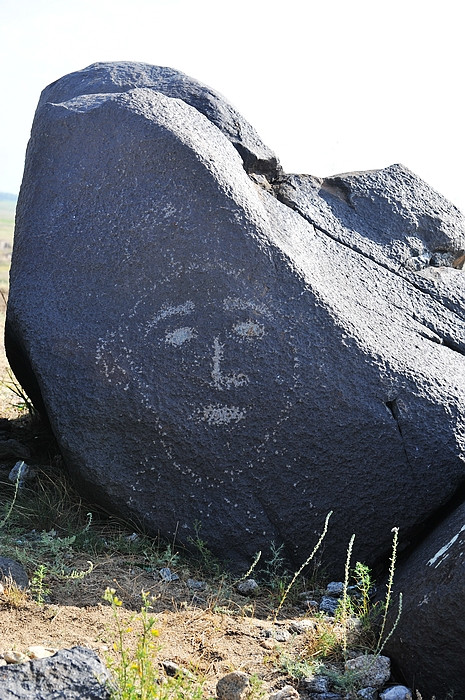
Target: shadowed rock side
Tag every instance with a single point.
(206, 355)
(428, 644)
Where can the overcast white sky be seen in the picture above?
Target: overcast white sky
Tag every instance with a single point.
(332, 86)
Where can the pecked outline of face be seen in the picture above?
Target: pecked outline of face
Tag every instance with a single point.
(208, 362)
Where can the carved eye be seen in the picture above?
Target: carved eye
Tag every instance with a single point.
(180, 336)
(249, 330)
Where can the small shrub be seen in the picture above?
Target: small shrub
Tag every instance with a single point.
(136, 672)
(306, 563)
(39, 587)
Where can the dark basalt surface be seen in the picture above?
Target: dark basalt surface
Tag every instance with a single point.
(428, 643)
(213, 351)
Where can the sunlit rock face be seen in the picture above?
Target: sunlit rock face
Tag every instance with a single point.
(210, 356)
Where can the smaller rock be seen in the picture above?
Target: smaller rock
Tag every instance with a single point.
(368, 694)
(286, 693)
(173, 669)
(315, 684)
(248, 587)
(335, 588)
(278, 635)
(196, 585)
(2, 662)
(234, 686)
(167, 575)
(74, 674)
(396, 692)
(329, 605)
(11, 571)
(14, 657)
(40, 652)
(20, 473)
(371, 670)
(302, 626)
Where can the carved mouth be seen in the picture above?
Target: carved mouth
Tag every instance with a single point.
(220, 414)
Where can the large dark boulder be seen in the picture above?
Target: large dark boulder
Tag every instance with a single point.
(205, 354)
(428, 644)
(70, 674)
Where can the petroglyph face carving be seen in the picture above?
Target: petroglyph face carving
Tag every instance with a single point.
(208, 351)
(207, 365)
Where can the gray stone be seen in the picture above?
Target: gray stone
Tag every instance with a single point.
(427, 644)
(234, 686)
(370, 669)
(286, 693)
(240, 356)
(396, 692)
(302, 626)
(167, 575)
(11, 570)
(279, 635)
(335, 588)
(389, 215)
(317, 684)
(367, 694)
(248, 587)
(20, 473)
(329, 605)
(71, 674)
(196, 585)
(104, 78)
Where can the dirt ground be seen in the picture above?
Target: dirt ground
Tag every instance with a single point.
(212, 632)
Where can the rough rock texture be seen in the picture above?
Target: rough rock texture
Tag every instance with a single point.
(71, 674)
(122, 77)
(393, 218)
(234, 686)
(205, 354)
(428, 644)
(370, 670)
(11, 570)
(397, 692)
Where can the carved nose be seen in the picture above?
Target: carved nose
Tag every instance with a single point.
(220, 379)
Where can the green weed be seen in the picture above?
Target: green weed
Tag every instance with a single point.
(136, 672)
(11, 505)
(306, 563)
(388, 599)
(298, 668)
(39, 588)
(23, 403)
(208, 563)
